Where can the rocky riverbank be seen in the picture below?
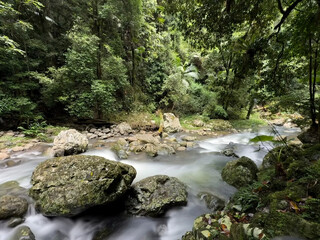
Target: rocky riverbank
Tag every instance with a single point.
(282, 198)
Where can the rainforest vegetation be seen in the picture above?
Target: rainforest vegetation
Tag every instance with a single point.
(76, 60)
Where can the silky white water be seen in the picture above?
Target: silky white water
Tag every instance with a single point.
(199, 168)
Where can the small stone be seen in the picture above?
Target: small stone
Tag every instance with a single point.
(181, 149)
(10, 133)
(93, 130)
(18, 149)
(188, 138)
(4, 156)
(190, 144)
(198, 123)
(107, 130)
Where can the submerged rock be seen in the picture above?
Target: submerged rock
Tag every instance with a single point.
(12, 206)
(213, 202)
(240, 172)
(229, 150)
(120, 148)
(154, 195)
(23, 233)
(66, 186)
(69, 142)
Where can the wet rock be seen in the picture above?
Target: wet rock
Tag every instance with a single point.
(171, 123)
(153, 196)
(12, 206)
(164, 149)
(69, 142)
(240, 172)
(23, 233)
(190, 144)
(120, 148)
(213, 202)
(15, 222)
(151, 150)
(229, 150)
(12, 188)
(66, 186)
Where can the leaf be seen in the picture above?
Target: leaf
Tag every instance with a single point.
(225, 229)
(261, 235)
(262, 138)
(294, 206)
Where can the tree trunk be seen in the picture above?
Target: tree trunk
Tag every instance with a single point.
(97, 30)
(250, 108)
(311, 86)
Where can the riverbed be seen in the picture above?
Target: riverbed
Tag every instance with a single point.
(199, 168)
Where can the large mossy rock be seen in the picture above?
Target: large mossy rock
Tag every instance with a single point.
(66, 186)
(310, 136)
(12, 206)
(69, 142)
(240, 172)
(154, 195)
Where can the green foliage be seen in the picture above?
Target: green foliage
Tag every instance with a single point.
(262, 138)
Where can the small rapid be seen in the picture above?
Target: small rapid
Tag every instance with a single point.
(199, 168)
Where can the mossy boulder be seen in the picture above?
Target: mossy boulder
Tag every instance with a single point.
(66, 186)
(240, 172)
(12, 206)
(23, 233)
(154, 195)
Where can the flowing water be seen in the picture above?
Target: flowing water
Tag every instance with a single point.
(199, 168)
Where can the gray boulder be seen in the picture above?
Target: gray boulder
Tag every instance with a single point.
(69, 142)
(12, 206)
(240, 172)
(66, 186)
(171, 123)
(154, 195)
(124, 128)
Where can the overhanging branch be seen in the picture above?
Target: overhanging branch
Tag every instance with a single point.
(285, 13)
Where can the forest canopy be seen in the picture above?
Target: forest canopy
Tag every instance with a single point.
(81, 59)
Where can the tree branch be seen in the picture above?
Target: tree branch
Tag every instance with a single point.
(280, 6)
(285, 13)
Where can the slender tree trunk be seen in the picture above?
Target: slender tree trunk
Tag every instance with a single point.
(133, 73)
(311, 86)
(98, 32)
(250, 108)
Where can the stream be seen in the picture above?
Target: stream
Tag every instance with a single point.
(199, 168)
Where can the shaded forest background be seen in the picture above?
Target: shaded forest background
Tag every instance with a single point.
(75, 60)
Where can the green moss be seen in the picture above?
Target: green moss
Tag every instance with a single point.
(10, 141)
(281, 224)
